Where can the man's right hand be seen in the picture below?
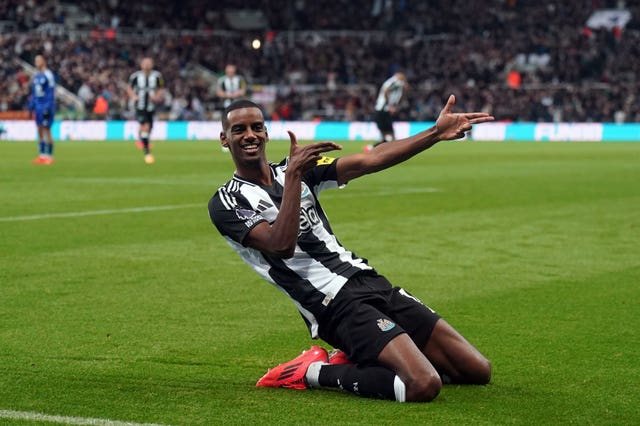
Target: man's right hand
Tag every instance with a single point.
(303, 158)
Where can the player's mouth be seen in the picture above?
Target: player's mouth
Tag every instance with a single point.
(251, 148)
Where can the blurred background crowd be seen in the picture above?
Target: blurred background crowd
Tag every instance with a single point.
(520, 60)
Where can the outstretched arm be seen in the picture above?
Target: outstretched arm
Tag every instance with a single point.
(449, 126)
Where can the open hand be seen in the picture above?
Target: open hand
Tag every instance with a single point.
(452, 125)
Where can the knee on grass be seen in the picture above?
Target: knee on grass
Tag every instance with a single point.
(481, 372)
(423, 388)
(476, 372)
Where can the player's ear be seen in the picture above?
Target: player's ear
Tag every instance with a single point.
(266, 134)
(223, 140)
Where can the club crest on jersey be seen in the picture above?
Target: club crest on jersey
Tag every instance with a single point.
(385, 325)
(304, 190)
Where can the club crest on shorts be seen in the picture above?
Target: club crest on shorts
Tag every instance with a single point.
(385, 325)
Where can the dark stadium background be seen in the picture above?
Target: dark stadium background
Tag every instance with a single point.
(520, 60)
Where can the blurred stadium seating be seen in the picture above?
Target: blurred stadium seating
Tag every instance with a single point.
(521, 60)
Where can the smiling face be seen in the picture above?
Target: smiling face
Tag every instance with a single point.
(245, 134)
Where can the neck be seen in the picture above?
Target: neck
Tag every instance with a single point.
(258, 173)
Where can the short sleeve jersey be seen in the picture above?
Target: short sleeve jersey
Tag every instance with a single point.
(390, 93)
(320, 265)
(43, 91)
(231, 84)
(145, 86)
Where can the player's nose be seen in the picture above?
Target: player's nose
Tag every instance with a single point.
(250, 134)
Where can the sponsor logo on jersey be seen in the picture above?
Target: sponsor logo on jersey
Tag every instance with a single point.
(323, 161)
(308, 219)
(385, 325)
(249, 223)
(249, 216)
(245, 214)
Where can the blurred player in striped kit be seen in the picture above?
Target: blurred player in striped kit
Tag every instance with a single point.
(146, 89)
(389, 97)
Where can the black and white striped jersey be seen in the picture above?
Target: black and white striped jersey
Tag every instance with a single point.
(320, 265)
(144, 86)
(390, 93)
(231, 84)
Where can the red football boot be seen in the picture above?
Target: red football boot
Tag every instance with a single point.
(291, 374)
(337, 357)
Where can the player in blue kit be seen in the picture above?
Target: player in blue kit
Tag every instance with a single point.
(43, 106)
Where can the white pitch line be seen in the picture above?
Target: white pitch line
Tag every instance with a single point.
(28, 415)
(100, 212)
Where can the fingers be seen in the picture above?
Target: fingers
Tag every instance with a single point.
(325, 146)
(306, 157)
(482, 119)
(449, 105)
(471, 115)
(475, 118)
(292, 138)
(315, 151)
(478, 117)
(317, 147)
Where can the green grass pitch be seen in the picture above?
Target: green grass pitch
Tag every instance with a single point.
(119, 300)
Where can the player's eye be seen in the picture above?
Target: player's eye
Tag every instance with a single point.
(258, 127)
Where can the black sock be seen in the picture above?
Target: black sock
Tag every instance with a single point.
(370, 382)
(445, 378)
(145, 144)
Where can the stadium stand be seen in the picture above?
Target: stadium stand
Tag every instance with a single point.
(520, 60)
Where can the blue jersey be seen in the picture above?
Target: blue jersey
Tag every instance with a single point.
(42, 92)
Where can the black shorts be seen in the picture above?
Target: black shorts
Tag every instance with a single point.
(369, 312)
(143, 116)
(384, 121)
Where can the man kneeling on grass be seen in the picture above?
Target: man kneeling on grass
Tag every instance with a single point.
(391, 345)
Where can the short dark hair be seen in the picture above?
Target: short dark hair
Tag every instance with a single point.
(241, 103)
